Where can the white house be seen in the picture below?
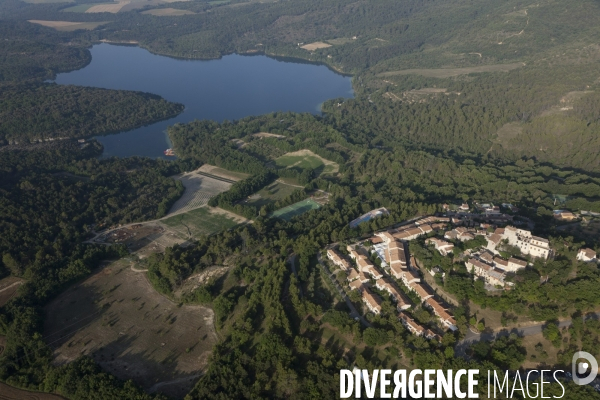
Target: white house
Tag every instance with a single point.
(586, 255)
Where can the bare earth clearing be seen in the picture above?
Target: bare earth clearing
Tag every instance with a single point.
(67, 25)
(168, 12)
(315, 46)
(202, 278)
(266, 134)
(116, 317)
(449, 72)
(12, 393)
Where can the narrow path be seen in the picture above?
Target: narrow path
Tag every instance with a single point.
(137, 270)
(12, 285)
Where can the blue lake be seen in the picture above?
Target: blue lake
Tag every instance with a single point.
(230, 88)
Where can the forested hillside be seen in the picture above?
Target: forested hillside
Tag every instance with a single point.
(455, 100)
(34, 112)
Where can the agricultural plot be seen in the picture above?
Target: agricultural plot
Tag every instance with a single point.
(108, 7)
(274, 192)
(306, 159)
(299, 208)
(79, 8)
(67, 26)
(132, 331)
(199, 189)
(201, 221)
(168, 12)
(222, 173)
(315, 46)
(116, 7)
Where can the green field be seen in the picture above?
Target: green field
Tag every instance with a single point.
(306, 159)
(274, 192)
(295, 209)
(81, 8)
(201, 221)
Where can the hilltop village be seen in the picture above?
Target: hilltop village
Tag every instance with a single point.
(383, 266)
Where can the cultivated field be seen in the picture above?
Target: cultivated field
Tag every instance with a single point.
(315, 46)
(109, 8)
(274, 192)
(132, 331)
(12, 393)
(167, 12)
(115, 7)
(295, 209)
(449, 72)
(199, 189)
(201, 221)
(81, 8)
(67, 25)
(8, 288)
(306, 159)
(223, 173)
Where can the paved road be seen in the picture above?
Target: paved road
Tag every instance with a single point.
(471, 337)
(353, 312)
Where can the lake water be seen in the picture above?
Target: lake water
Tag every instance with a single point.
(230, 88)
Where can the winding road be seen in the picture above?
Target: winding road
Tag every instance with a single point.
(471, 337)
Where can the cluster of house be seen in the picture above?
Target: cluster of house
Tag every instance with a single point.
(441, 245)
(487, 263)
(460, 233)
(396, 263)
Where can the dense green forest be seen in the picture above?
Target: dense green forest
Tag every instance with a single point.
(41, 111)
(525, 132)
(51, 199)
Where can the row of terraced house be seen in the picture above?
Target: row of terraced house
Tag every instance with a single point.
(390, 249)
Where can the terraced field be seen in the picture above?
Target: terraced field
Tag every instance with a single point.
(199, 189)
